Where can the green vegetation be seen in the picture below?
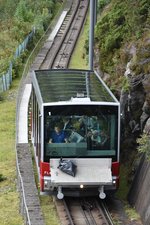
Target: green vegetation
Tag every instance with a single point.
(122, 25)
(144, 145)
(8, 195)
(17, 19)
(49, 210)
(131, 212)
(2, 178)
(102, 4)
(79, 58)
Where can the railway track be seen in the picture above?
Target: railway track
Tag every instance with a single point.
(82, 211)
(59, 51)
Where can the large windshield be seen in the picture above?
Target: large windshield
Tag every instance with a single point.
(80, 131)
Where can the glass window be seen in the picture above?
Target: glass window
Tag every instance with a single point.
(80, 131)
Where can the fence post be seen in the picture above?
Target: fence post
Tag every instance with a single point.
(10, 72)
(4, 83)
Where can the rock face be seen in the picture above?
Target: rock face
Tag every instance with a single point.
(136, 107)
(135, 119)
(132, 115)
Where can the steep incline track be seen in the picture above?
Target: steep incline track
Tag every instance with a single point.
(59, 52)
(82, 211)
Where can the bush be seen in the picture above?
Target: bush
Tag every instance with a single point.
(17, 67)
(125, 22)
(17, 24)
(4, 65)
(2, 178)
(102, 4)
(144, 145)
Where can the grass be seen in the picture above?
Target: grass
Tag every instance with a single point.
(131, 212)
(9, 197)
(49, 210)
(79, 59)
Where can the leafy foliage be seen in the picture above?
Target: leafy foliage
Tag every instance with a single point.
(121, 23)
(7, 9)
(144, 145)
(22, 13)
(17, 66)
(125, 84)
(17, 19)
(102, 4)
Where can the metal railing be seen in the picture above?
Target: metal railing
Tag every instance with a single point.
(6, 79)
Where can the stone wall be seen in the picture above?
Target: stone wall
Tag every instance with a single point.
(139, 194)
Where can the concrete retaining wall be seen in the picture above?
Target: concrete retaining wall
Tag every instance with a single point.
(139, 194)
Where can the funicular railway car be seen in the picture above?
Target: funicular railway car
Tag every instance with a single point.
(76, 118)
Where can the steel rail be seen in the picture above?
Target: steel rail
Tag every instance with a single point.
(106, 212)
(59, 38)
(84, 211)
(67, 47)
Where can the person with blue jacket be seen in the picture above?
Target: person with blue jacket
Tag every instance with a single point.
(58, 135)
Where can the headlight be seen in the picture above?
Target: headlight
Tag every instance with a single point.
(47, 183)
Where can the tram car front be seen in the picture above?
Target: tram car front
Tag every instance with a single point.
(75, 119)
